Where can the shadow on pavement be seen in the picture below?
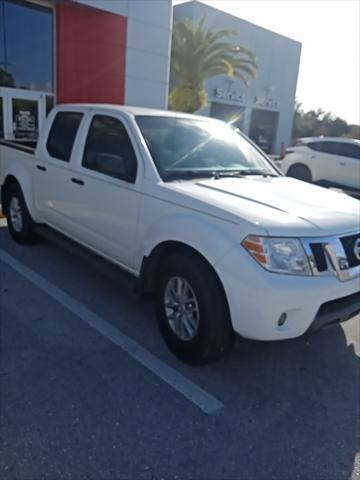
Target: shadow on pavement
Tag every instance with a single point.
(301, 401)
(292, 408)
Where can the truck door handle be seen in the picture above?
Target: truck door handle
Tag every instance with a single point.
(342, 164)
(41, 167)
(78, 181)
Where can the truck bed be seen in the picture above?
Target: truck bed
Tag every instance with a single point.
(28, 146)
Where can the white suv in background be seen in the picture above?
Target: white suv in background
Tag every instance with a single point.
(328, 161)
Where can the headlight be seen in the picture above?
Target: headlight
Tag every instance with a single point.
(280, 255)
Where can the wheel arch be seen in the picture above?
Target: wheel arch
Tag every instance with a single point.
(299, 164)
(151, 264)
(9, 180)
(26, 189)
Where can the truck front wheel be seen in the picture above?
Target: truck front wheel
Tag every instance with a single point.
(192, 310)
(20, 223)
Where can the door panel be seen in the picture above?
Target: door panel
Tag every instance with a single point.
(325, 157)
(55, 195)
(351, 173)
(329, 167)
(105, 203)
(106, 214)
(349, 165)
(55, 192)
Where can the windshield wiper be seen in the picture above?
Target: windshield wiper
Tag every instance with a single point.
(191, 174)
(237, 174)
(242, 173)
(186, 175)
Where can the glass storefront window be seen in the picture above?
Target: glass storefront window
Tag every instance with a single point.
(263, 128)
(26, 46)
(25, 118)
(228, 113)
(49, 103)
(1, 118)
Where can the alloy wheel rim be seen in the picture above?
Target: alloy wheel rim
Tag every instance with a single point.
(181, 308)
(16, 214)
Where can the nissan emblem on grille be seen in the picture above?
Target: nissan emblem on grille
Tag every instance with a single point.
(357, 249)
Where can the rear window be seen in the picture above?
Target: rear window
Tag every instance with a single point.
(62, 135)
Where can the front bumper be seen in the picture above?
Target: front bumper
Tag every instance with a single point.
(258, 299)
(336, 311)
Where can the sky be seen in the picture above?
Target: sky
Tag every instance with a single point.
(329, 30)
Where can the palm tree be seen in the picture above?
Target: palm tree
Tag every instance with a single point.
(198, 54)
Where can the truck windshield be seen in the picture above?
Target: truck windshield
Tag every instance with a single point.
(184, 148)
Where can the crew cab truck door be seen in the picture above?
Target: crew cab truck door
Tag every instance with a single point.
(55, 167)
(107, 198)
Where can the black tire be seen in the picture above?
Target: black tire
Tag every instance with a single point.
(24, 233)
(301, 172)
(214, 335)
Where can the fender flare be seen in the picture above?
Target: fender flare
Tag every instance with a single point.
(24, 180)
(190, 230)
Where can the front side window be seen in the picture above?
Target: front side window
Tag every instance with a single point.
(62, 135)
(183, 148)
(108, 149)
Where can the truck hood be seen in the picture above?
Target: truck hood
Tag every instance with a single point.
(280, 205)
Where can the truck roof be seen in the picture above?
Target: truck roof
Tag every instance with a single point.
(130, 110)
(305, 140)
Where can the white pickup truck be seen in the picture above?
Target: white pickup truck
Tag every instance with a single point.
(199, 214)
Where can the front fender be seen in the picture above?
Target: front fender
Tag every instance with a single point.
(211, 238)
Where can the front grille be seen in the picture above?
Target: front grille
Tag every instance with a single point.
(334, 255)
(348, 244)
(319, 256)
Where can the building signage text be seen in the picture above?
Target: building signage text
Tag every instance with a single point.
(265, 102)
(234, 96)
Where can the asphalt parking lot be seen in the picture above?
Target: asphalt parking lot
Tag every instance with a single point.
(89, 390)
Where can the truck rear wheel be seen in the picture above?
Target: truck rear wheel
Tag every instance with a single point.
(20, 223)
(192, 310)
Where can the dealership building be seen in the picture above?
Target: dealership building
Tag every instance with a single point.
(118, 51)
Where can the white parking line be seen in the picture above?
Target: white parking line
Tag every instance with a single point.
(205, 401)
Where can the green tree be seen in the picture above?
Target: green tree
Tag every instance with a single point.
(317, 122)
(6, 79)
(354, 132)
(197, 54)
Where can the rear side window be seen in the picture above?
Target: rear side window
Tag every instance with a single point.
(62, 135)
(349, 150)
(317, 146)
(109, 150)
